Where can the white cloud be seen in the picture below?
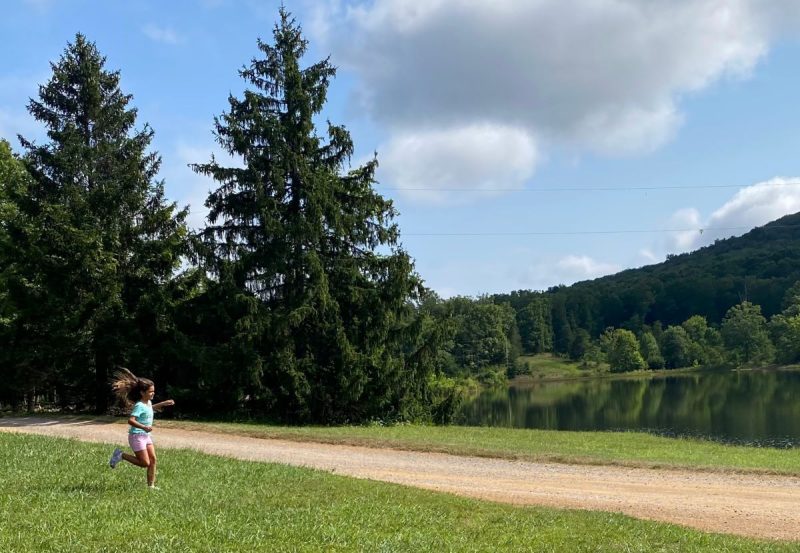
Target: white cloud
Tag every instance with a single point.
(648, 255)
(581, 267)
(602, 74)
(750, 207)
(689, 223)
(759, 204)
(161, 34)
(476, 157)
(629, 130)
(605, 76)
(541, 274)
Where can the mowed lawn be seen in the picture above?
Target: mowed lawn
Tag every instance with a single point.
(609, 448)
(549, 366)
(59, 495)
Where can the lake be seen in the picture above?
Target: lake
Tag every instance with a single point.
(758, 407)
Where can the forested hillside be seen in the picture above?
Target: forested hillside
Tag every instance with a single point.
(733, 303)
(758, 267)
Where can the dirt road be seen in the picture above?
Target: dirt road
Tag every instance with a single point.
(749, 505)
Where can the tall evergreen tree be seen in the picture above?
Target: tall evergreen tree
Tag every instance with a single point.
(105, 242)
(310, 254)
(14, 181)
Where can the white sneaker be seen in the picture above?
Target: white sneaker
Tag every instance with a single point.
(116, 457)
(152, 487)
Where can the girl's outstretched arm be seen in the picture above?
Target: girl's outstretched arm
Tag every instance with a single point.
(165, 403)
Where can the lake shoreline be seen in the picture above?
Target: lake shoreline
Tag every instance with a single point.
(527, 379)
(751, 406)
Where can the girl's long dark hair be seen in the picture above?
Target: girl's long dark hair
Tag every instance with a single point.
(128, 387)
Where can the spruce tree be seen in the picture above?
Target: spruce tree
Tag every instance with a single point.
(14, 181)
(106, 242)
(309, 252)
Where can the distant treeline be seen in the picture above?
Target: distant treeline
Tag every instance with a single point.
(296, 301)
(731, 303)
(490, 337)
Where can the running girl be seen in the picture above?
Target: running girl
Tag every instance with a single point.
(138, 393)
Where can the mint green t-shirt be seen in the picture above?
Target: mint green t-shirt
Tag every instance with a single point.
(144, 415)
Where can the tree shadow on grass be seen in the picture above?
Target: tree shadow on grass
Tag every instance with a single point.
(34, 420)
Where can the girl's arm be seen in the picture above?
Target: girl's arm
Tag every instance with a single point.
(136, 424)
(166, 403)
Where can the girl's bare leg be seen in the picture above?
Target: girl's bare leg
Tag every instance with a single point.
(151, 469)
(141, 458)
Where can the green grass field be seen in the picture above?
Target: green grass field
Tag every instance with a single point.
(615, 448)
(59, 495)
(546, 366)
(551, 367)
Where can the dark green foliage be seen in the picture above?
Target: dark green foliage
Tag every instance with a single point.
(785, 334)
(319, 315)
(485, 334)
(651, 353)
(744, 331)
(94, 244)
(14, 182)
(791, 300)
(676, 347)
(562, 327)
(535, 322)
(784, 328)
(581, 344)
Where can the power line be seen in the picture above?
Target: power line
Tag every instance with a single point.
(579, 189)
(581, 232)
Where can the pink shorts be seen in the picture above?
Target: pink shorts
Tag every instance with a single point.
(139, 442)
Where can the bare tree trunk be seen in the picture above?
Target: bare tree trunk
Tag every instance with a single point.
(101, 384)
(30, 397)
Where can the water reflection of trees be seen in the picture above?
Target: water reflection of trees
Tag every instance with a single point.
(747, 406)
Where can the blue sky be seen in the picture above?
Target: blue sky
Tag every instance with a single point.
(495, 122)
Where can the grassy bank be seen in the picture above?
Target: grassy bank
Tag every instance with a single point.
(59, 495)
(617, 448)
(546, 366)
(549, 367)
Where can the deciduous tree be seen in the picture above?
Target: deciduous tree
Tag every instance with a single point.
(744, 331)
(623, 354)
